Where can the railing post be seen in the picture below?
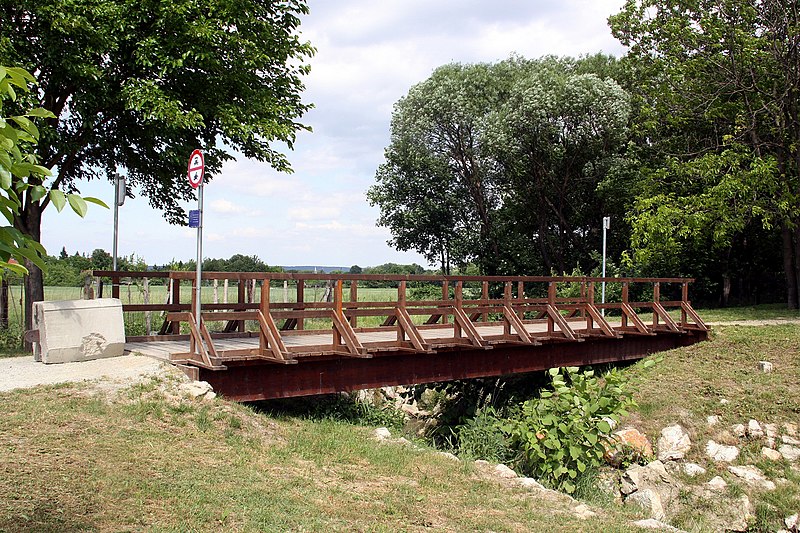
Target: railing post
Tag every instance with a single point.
(656, 299)
(241, 300)
(485, 298)
(301, 284)
(115, 286)
(445, 297)
(551, 300)
(176, 300)
(264, 307)
(354, 299)
(458, 302)
(521, 296)
(684, 299)
(507, 302)
(337, 309)
(401, 304)
(624, 301)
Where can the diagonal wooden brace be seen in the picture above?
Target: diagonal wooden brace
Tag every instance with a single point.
(689, 310)
(659, 310)
(516, 325)
(462, 320)
(406, 326)
(273, 337)
(600, 320)
(345, 331)
(635, 320)
(553, 313)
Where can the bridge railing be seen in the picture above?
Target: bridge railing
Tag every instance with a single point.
(302, 304)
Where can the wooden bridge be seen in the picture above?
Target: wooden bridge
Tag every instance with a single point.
(429, 328)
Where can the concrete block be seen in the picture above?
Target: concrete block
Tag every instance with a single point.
(78, 330)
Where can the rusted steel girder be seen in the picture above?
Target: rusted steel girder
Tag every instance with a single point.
(253, 380)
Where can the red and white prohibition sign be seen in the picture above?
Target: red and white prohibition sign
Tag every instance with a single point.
(197, 167)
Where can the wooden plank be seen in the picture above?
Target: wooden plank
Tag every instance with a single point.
(405, 325)
(465, 325)
(658, 310)
(600, 320)
(630, 314)
(689, 310)
(346, 333)
(515, 324)
(554, 315)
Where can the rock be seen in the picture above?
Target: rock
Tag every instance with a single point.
(716, 484)
(772, 455)
(791, 522)
(765, 366)
(196, 389)
(790, 453)
(480, 463)
(786, 439)
(771, 430)
(723, 401)
(210, 396)
(505, 472)
(673, 444)
(739, 431)
(754, 430)
(402, 441)
(583, 511)
(790, 429)
(530, 484)
(712, 420)
(652, 523)
(627, 444)
(649, 500)
(382, 434)
(752, 476)
(693, 469)
(608, 484)
(611, 422)
(742, 515)
(721, 452)
(448, 455)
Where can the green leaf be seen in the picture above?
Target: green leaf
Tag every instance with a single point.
(77, 204)
(37, 192)
(58, 198)
(97, 201)
(603, 426)
(553, 372)
(574, 452)
(5, 178)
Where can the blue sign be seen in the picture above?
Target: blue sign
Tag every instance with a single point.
(194, 218)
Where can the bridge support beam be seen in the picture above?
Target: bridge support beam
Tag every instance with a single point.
(251, 380)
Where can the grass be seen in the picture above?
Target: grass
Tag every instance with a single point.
(145, 462)
(721, 377)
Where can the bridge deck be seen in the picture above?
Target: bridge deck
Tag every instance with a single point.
(506, 326)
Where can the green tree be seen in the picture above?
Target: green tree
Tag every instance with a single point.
(135, 86)
(720, 112)
(20, 174)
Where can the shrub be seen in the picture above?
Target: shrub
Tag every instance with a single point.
(558, 437)
(481, 437)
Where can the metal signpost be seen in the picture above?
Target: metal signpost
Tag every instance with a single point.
(606, 226)
(119, 199)
(195, 173)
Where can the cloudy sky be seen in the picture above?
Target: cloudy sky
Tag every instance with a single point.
(368, 55)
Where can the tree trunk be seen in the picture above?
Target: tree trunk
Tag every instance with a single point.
(30, 221)
(789, 267)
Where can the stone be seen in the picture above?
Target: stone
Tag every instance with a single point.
(723, 401)
(752, 476)
(790, 453)
(196, 389)
(611, 422)
(583, 511)
(649, 500)
(772, 455)
(771, 430)
(210, 396)
(765, 366)
(693, 469)
(790, 429)
(712, 420)
(78, 330)
(448, 455)
(674, 443)
(505, 472)
(627, 444)
(739, 431)
(791, 522)
(754, 430)
(530, 484)
(652, 523)
(382, 434)
(721, 452)
(786, 439)
(716, 484)
(480, 463)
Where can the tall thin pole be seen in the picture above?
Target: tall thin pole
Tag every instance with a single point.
(199, 251)
(606, 226)
(116, 222)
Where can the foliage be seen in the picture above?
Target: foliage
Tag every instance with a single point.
(482, 437)
(719, 123)
(337, 407)
(559, 436)
(501, 164)
(20, 173)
